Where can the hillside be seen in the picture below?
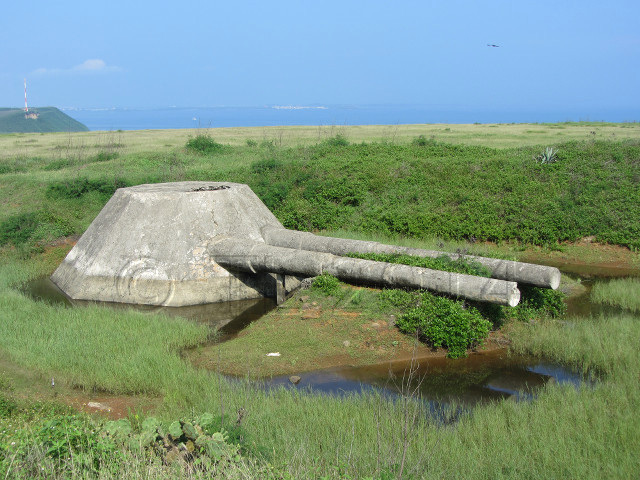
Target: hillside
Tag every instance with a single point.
(50, 119)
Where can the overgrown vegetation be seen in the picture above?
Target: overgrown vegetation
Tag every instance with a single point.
(457, 192)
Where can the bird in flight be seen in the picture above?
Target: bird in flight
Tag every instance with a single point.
(492, 45)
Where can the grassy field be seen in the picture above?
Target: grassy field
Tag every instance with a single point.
(52, 186)
(86, 144)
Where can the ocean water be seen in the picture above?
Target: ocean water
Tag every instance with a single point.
(213, 117)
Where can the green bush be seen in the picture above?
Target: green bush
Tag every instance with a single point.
(442, 322)
(422, 141)
(78, 187)
(84, 446)
(338, 140)
(203, 144)
(394, 297)
(18, 229)
(326, 283)
(536, 302)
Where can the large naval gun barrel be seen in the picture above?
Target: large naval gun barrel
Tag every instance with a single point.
(527, 273)
(251, 256)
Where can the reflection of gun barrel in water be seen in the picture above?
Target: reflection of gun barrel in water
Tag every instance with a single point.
(250, 256)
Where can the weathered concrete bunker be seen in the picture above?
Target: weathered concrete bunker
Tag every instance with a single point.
(190, 243)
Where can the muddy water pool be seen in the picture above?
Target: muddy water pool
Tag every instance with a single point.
(482, 377)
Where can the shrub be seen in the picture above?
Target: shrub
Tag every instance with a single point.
(18, 229)
(338, 140)
(326, 283)
(422, 141)
(443, 322)
(203, 144)
(63, 436)
(396, 298)
(78, 187)
(537, 302)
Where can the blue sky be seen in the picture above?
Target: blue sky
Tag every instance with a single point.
(552, 54)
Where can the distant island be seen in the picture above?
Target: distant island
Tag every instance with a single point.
(45, 119)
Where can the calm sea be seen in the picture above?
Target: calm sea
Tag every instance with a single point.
(212, 117)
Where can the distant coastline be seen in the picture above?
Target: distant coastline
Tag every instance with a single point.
(119, 118)
(297, 107)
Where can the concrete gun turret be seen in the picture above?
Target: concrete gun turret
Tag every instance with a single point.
(190, 243)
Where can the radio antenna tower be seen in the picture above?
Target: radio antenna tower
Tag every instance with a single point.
(26, 109)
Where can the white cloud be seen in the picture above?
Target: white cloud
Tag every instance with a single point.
(92, 65)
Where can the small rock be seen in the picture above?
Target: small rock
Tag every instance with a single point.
(315, 304)
(304, 298)
(99, 406)
(375, 325)
(346, 343)
(392, 321)
(294, 379)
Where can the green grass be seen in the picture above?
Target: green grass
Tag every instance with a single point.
(450, 188)
(623, 293)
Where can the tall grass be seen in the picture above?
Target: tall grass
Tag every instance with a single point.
(604, 345)
(580, 433)
(623, 292)
(94, 348)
